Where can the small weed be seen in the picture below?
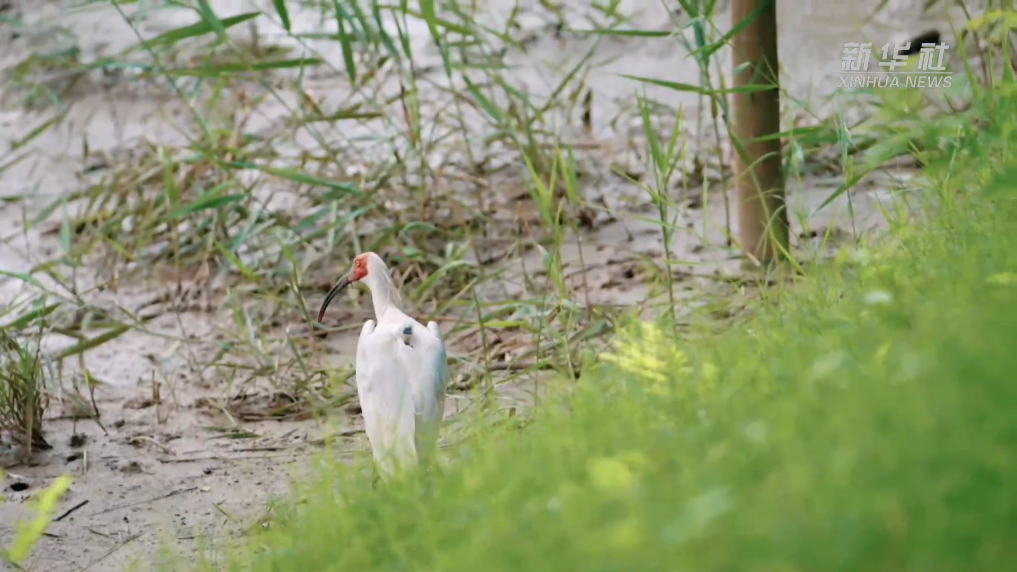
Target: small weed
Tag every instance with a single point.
(22, 394)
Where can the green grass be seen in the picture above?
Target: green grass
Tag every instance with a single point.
(862, 421)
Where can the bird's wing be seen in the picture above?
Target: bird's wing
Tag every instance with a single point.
(441, 367)
(363, 380)
(429, 368)
(386, 398)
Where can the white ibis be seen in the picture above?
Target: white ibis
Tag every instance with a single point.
(401, 372)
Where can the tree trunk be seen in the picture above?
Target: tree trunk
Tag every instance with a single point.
(762, 214)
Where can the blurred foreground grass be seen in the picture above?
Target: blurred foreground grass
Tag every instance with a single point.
(863, 421)
(24, 535)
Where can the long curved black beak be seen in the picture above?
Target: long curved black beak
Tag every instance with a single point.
(339, 287)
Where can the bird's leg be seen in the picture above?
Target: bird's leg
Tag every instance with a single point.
(408, 336)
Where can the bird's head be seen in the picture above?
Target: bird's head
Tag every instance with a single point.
(367, 267)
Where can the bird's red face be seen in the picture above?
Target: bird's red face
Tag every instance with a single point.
(357, 273)
(359, 270)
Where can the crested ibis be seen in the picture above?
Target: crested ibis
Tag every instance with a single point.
(401, 372)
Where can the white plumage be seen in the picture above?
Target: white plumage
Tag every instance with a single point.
(401, 372)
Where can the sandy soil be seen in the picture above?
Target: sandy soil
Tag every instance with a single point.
(163, 469)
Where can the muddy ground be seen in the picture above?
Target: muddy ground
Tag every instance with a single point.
(164, 462)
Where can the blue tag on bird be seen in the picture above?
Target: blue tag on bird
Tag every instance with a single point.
(408, 331)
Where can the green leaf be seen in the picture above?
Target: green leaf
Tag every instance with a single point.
(193, 31)
(344, 41)
(298, 177)
(85, 345)
(27, 278)
(208, 15)
(701, 90)
(29, 317)
(237, 263)
(14, 161)
(435, 276)
(240, 67)
(210, 200)
(797, 132)
(485, 103)
(629, 33)
(280, 8)
(28, 533)
(346, 114)
(385, 38)
(708, 50)
(427, 13)
(15, 145)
